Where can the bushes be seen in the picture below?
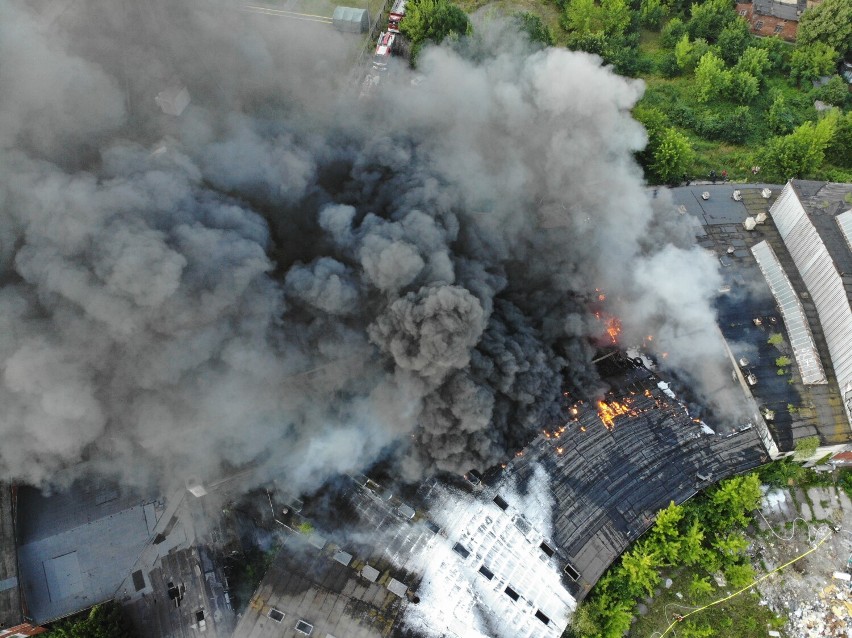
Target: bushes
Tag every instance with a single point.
(704, 532)
(101, 621)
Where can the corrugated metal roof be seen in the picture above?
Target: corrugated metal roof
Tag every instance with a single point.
(844, 220)
(821, 278)
(798, 330)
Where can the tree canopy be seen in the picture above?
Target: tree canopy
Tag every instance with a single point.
(535, 29)
(101, 621)
(432, 21)
(812, 61)
(829, 23)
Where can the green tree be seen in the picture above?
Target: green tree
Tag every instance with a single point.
(710, 18)
(581, 18)
(733, 500)
(835, 91)
(734, 40)
(839, 149)
(731, 546)
(101, 621)
(738, 125)
(671, 34)
(711, 77)
(739, 575)
(691, 547)
(812, 61)
(639, 569)
(535, 29)
(806, 447)
(700, 586)
(683, 52)
(778, 51)
(616, 17)
(651, 13)
(801, 152)
(673, 156)
(829, 23)
(743, 87)
(780, 117)
(755, 61)
(432, 21)
(664, 539)
(614, 614)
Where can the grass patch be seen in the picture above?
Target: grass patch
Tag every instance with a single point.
(741, 617)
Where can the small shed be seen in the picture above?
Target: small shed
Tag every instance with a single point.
(351, 20)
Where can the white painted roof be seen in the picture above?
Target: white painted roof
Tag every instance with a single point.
(844, 220)
(804, 350)
(821, 278)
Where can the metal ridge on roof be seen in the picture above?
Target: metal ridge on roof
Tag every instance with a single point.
(804, 349)
(844, 220)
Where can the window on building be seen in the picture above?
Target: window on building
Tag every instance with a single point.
(511, 593)
(500, 502)
(304, 627)
(758, 25)
(779, 28)
(486, 572)
(276, 615)
(547, 549)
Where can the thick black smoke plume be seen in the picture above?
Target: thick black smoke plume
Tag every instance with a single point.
(287, 276)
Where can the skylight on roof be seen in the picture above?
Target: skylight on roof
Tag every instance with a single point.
(461, 550)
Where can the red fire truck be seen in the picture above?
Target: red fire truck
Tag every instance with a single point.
(383, 51)
(397, 13)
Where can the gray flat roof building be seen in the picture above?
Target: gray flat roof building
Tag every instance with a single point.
(10, 599)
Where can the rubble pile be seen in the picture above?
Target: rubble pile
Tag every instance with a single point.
(827, 616)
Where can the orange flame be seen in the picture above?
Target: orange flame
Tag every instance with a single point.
(609, 411)
(613, 328)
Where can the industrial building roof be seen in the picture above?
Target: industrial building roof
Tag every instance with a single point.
(608, 484)
(819, 271)
(77, 546)
(748, 314)
(10, 600)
